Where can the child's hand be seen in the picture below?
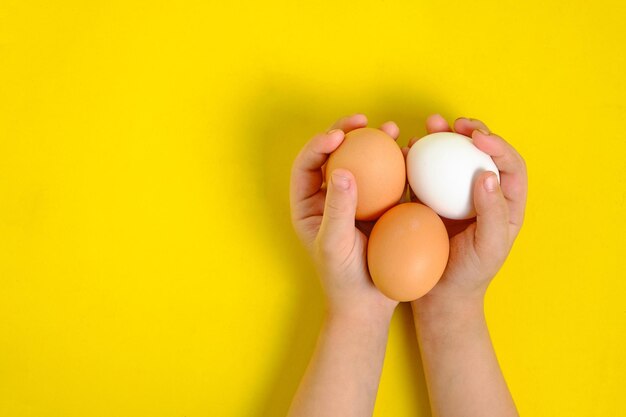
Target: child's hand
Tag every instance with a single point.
(323, 217)
(343, 375)
(460, 365)
(478, 247)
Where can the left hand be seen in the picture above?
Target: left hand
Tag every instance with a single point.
(323, 216)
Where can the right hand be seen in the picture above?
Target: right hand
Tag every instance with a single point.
(479, 247)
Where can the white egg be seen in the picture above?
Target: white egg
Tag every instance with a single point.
(441, 169)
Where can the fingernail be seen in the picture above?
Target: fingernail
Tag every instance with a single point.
(339, 181)
(484, 132)
(332, 132)
(491, 183)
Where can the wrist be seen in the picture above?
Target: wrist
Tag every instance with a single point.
(440, 323)
(350, 330)
(359, 316)
(437, 310)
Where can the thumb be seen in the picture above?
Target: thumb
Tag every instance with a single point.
(337, 229)
(492, 217)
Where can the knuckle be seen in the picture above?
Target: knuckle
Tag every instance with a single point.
(489, 256)
(339, 123)
(295, 167)
(522, 162)
(319, 136)
(334, 253)
(309, 151)
(334, 209)
(297, 161)
(326, 249)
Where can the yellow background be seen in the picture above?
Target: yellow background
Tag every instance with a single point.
(147, 262)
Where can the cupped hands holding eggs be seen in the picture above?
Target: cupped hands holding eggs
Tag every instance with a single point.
(408, 246)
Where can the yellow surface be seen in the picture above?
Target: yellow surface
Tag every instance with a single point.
(147, 263)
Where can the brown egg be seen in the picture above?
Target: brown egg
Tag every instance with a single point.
(377, 164)
(407, 251)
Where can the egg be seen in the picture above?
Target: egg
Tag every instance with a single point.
(377, 163)
(407, 251)
(441, 169)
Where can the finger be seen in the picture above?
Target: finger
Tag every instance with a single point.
(513, 175)
(491, 239)
(346, 124)
(466, 125)
(337, 231)
(306, 175)
(436, 123)
(391, 128)
(349, 123)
